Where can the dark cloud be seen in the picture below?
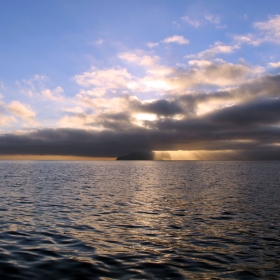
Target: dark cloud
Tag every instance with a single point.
(258, 112)
(159, 107)
(113, 143)
(250, 128)
(115, 121)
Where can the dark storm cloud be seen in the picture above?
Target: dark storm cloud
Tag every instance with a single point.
(74, 142)
(250, 127)
(268, 85)
(113, 144)
(258, 112)
(242, 121)
(159, 107)
(115, 121)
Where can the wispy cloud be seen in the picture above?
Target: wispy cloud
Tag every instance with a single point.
(274, 64)
(140, 58)
(266, 31)
(22, 111)
(112, 78)
(152, 45)
(249, 39)
(217, 48)
(99, 42)
(6, 120)
(54, 95)
(32, 86)
(213, 19)
(192, 22)
(270, 30)
(176, 39)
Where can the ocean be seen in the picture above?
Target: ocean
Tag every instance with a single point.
(139, 220)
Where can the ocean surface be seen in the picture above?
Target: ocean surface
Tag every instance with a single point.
(139, 220)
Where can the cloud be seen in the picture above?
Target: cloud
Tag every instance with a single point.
(76, 120)
(159, 107)
(54, 95)
(111, 78)
(158, 79)
(9, 112)
(210, 18)
(70, 142)
(176, 39)
(274, 64)
(99, 42)
(140, 58)
(203, 104)
(37, 90)
(184, 80)
(260, 87)
(6, 120)
(192, 22)
(267, 31)
(73, 110)
(248, 127)
(22, 111)
(260, 112)
(203, 73)
(152, 45)
(31, 87)
(213, 19)
(99, 115)
(176, 24)
(249, 39)
(217, 48)
(95, 92)
(161, 79)
(101, 102)
(270, 30)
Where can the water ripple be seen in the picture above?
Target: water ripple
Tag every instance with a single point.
(142, 220)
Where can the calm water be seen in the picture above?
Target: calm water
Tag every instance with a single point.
(139, 220)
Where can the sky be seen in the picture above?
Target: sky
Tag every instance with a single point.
(99, 79)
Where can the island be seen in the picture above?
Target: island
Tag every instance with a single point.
(138, 156)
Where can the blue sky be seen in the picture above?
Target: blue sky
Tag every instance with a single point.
(110, 66)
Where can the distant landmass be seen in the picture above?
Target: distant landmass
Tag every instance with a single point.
(138, 156)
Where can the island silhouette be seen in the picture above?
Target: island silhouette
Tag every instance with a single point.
(138, 156)
(150, 155)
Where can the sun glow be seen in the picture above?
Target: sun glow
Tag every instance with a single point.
(146, 117)
(195, 155)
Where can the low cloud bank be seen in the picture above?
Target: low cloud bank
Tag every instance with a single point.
(248, 125)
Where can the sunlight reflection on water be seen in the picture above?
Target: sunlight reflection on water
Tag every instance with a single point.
(163, 220)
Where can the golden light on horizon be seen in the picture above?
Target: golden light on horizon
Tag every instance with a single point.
(195, 155)
(52, 157)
